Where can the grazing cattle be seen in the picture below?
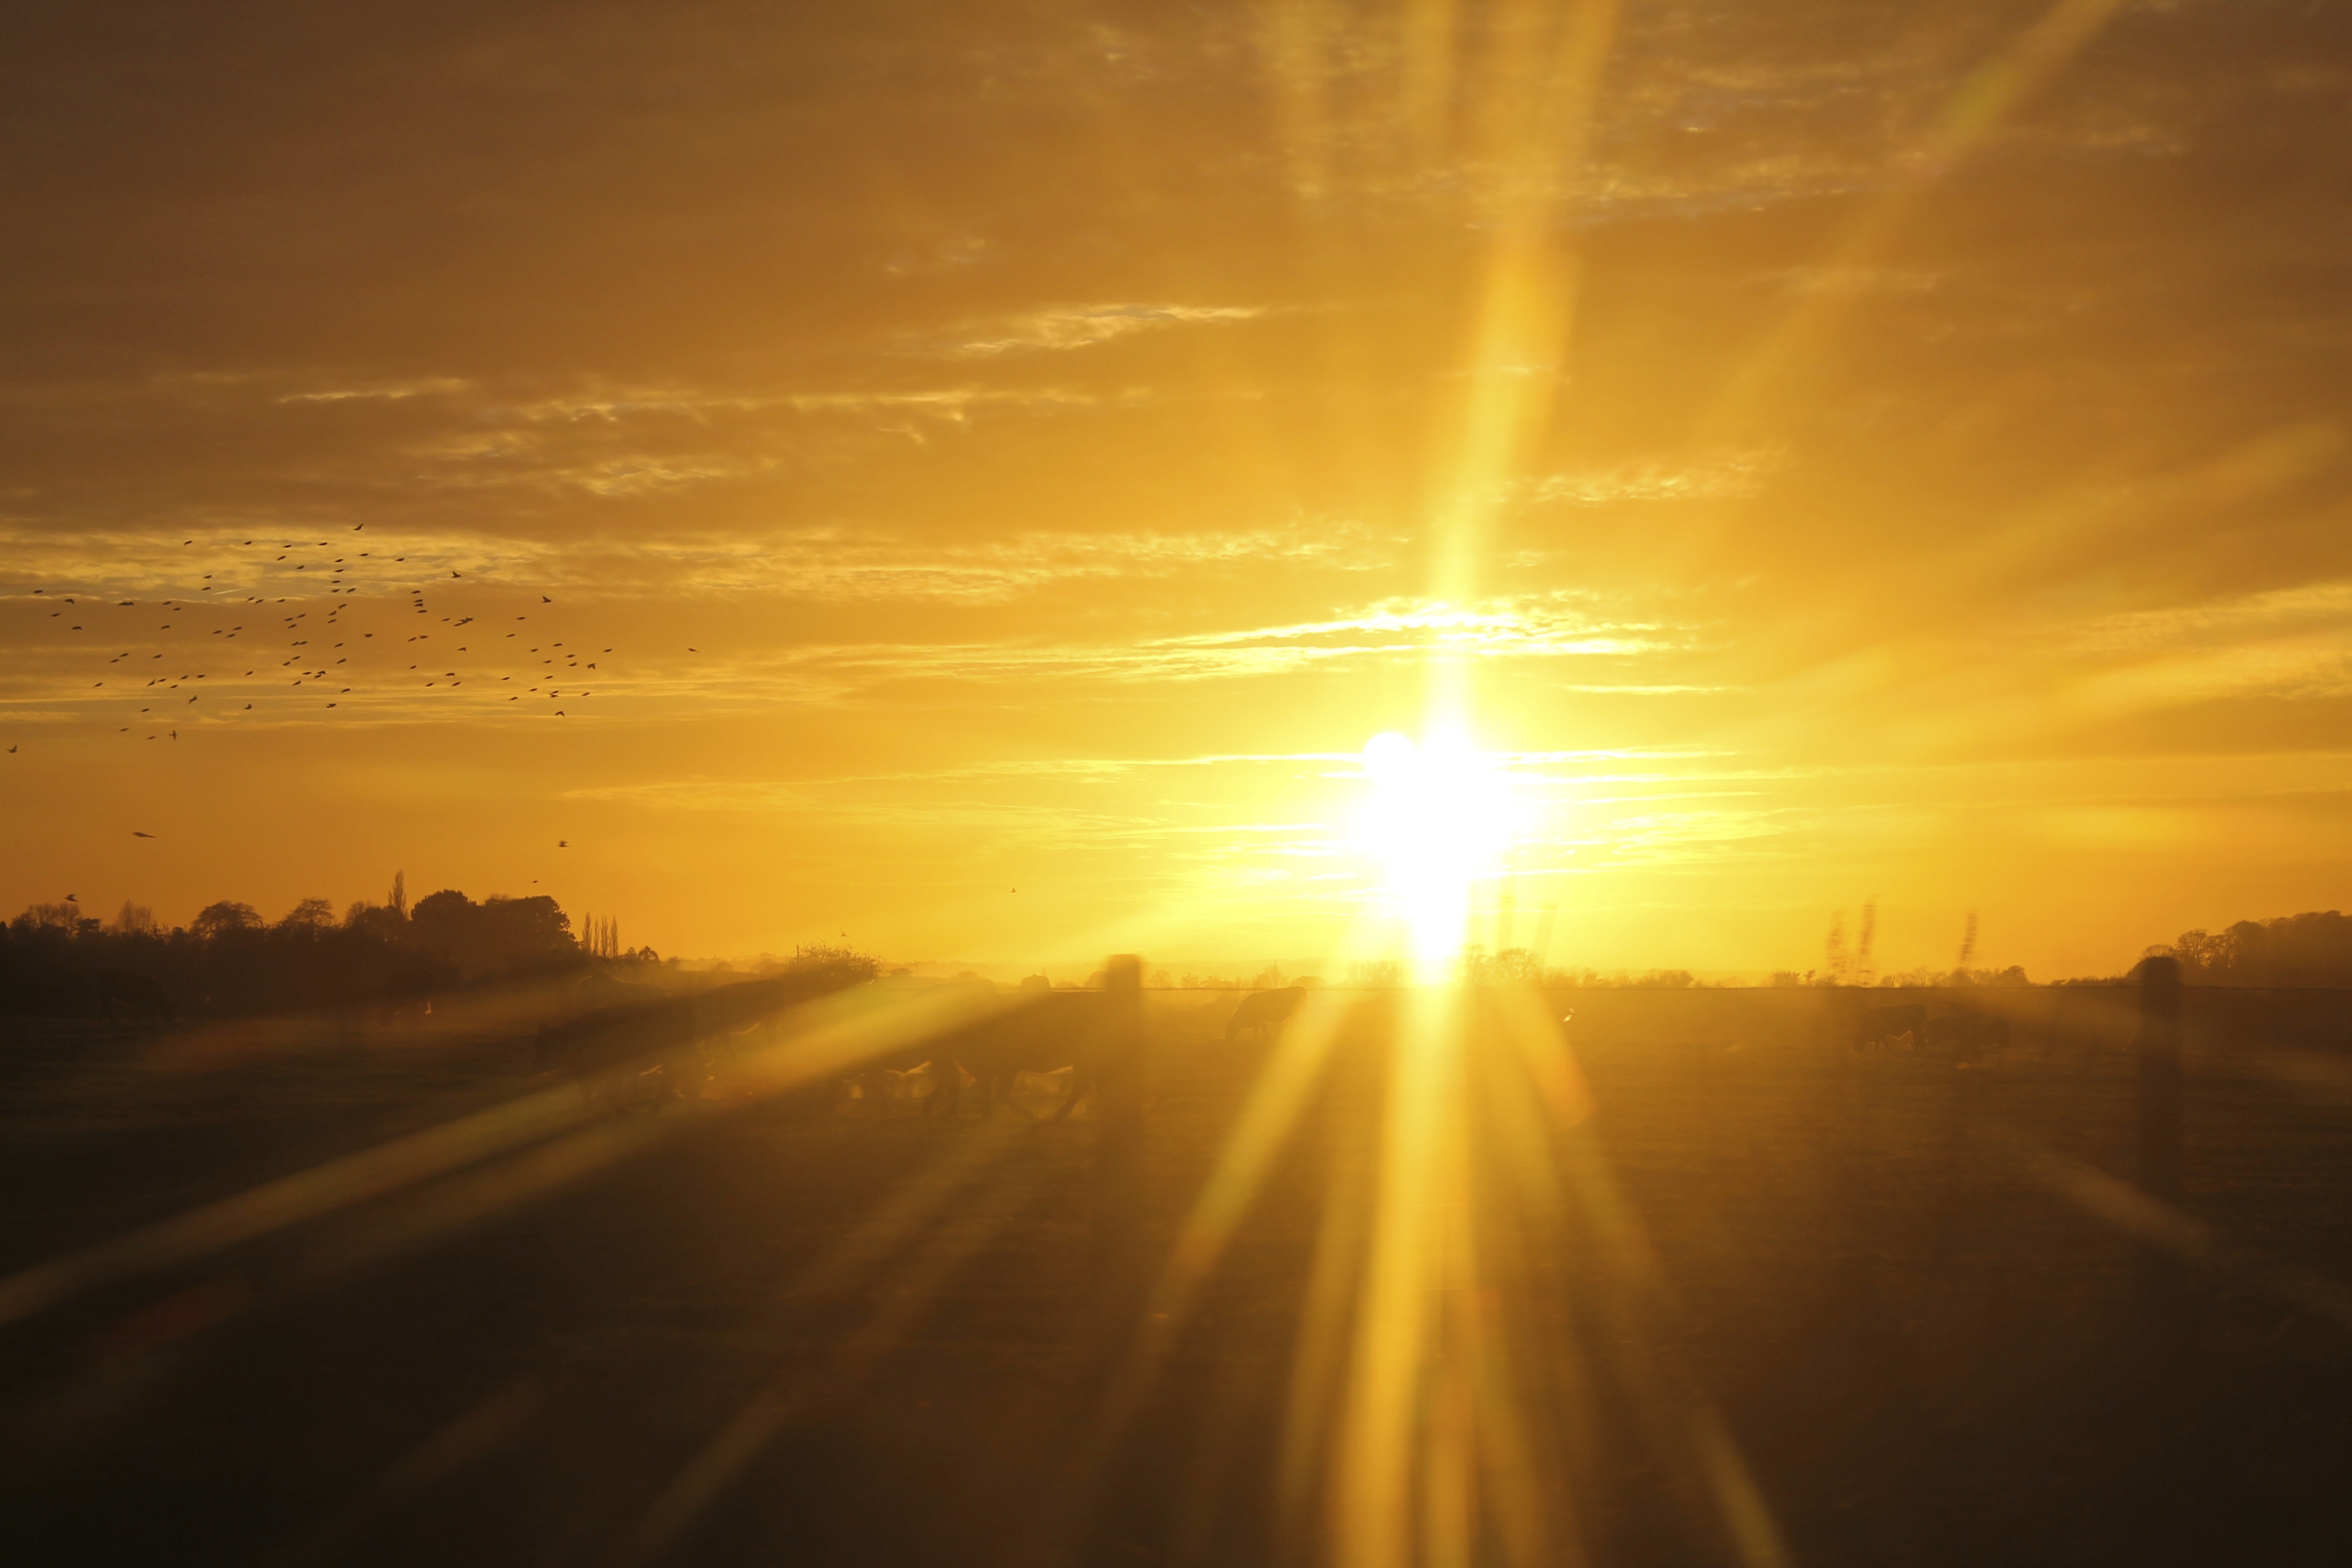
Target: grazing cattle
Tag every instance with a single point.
(1041, 1094)
(1042, 1033)
(1263, 1010)
(655, 1037)
(929, 1082)
(881, 1084)
(1880, 1027)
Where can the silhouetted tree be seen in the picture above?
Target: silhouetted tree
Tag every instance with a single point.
(216, 922)
(312, 915)
(499, 933)
(2310, 949)
(229, 960)
(377, 922)
(845, 965)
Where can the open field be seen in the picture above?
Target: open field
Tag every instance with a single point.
(1894, 1284)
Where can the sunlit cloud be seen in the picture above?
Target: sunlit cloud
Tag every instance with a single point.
(1083, 326)
(1738, 477)
(2309, 605)
(2297, 668)
(386, 392)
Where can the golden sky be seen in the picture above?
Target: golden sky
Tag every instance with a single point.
(1813, 451)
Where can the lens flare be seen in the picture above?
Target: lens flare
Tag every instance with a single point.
(1438, 819)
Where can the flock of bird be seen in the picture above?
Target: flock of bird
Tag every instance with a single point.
(318, 666)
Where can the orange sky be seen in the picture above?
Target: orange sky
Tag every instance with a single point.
(1821, 451)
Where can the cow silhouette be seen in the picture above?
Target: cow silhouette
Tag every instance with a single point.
(1880, 1027)
(1263, 1010)
(1043, 1032)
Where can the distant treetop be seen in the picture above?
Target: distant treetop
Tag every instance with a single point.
(2311, 949)
(843, 964)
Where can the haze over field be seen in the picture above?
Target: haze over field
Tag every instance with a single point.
(974, 478)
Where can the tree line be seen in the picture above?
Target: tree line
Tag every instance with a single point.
(2310, 949)
(230, 961)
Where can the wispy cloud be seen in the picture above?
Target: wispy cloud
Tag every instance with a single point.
(1385, 635)
(383, 391)
(2310, 606)
(1083, 326)
(1737, 476)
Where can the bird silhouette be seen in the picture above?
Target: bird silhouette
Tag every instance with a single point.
(563, 844)
(136, 834)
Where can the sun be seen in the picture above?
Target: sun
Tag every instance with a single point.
(1437, 820)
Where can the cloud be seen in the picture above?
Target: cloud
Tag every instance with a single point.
(2307, 604)
(386, 392)
(2297, 668)
(1083, 326)
(1739, 476)
(1400, 633)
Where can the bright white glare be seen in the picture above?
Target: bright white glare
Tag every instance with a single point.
(1391, 758)
(1438, 818)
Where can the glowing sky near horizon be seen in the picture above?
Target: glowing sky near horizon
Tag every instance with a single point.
(1019, 454)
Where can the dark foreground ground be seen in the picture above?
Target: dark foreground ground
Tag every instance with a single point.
(1899, 1289)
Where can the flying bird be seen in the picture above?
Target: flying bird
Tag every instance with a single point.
(136, 834)
(545, 600)
(563, 844)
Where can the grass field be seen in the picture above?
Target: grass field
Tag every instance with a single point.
(1893, 1288)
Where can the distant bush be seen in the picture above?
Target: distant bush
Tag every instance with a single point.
(1511, 966)
(1619, 980)
(2014, 976)
(836, 965)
